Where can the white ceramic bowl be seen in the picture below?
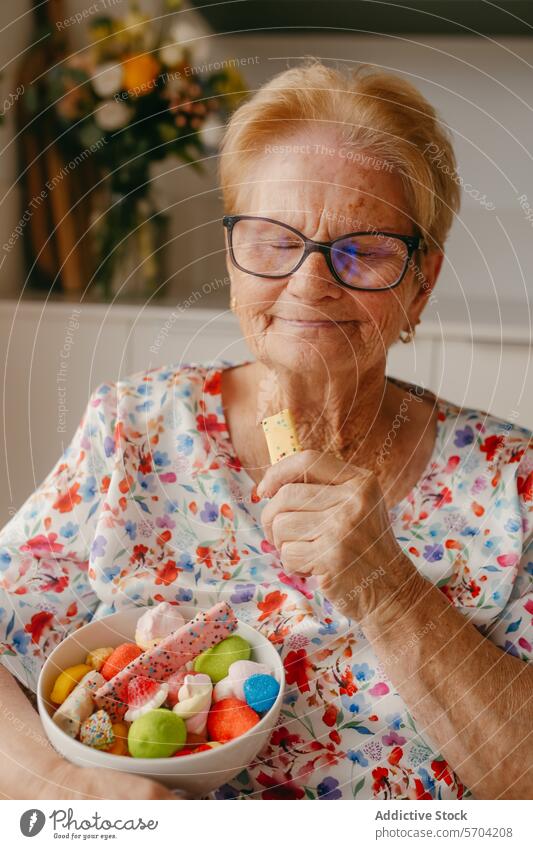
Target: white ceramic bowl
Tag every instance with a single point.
(196, 774)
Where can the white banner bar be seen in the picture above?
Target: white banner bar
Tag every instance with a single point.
(266, 824)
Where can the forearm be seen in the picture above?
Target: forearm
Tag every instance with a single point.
(472, 700)
(30, 762)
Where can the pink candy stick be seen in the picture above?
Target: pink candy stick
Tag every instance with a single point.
(204, 631)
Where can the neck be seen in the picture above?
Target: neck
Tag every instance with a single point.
(333, 414)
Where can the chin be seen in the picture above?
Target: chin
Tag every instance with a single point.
(312, 355)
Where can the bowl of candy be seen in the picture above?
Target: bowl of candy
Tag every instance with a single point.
(183, 696)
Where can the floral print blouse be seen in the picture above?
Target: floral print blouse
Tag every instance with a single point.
(150, 503)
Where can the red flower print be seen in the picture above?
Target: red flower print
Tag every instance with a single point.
(164, 537)
(491, 445)
(210, 424)
(125, 484)
(139, 552)
(453, 543)
(203, 553)
(166, 573)
(145, 466)
(296, 665)
(66, 502)
(105, 483)
(380, 775)
(282, 737)
(525, 487)
(212, 384)
(335, 736)
(56, 585)
(329, 716)
(452, 463)
(72, 610)
(421, 792)
(477, 509)
(441, 771)
(475, 589)
(226, 511)
(272, 603)
(39, 621)
(280, 786)
(444, 497)
(395, 756)
(42, 544)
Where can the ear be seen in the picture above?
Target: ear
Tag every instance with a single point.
(425, 273)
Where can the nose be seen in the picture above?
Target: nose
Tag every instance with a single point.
(313, 282)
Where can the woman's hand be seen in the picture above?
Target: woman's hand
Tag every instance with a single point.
(67, 781)
(335, 525)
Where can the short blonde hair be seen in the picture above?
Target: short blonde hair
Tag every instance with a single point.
(377, 112)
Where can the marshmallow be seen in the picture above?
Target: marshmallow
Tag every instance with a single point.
(78, 705)
(195, 696)
(156, 623)
(233, 685)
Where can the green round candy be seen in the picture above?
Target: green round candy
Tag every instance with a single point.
(157, 734)
(216, 661)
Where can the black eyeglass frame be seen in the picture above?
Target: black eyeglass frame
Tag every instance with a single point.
(413, 244)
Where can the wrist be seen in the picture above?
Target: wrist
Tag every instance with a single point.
(397, 592)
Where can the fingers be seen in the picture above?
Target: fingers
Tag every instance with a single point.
(303, 499)
(306, 467)
(287, 527)
(297, 557)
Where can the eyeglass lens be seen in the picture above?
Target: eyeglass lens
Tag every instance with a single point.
(368, 261)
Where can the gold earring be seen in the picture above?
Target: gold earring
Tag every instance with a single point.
(407, 336)
(232, 303)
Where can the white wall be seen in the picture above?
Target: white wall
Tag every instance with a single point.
(483, 89)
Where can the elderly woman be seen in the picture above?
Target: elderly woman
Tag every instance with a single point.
(388, 561)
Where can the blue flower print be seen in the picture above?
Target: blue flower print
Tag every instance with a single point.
(109, 573)
(185, 444)
(433, 553)
(329, 789)
(109, 446)
(161, 458)
(210, 512)
(243, 593)
(147, 482)
(20, 641)
(362, 672)
(357, 757)
(356, 704)
(88, 488)
(185, 562)
(69, 530)
(5, 560)
(98, 547)
(131, 529)
(463, 437)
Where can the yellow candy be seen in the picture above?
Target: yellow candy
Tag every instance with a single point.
(97, 657)
(281, 436)
(120, 746)
(65, 683)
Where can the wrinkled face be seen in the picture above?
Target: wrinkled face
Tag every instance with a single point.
(307, 321)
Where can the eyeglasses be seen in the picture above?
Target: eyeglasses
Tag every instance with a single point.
(368, 261)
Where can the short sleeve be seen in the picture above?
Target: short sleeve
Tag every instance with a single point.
(513, 629)
(45, 591)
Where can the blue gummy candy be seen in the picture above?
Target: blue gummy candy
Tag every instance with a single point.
(260, 692)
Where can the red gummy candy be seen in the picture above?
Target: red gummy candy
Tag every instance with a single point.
(120, 658)
(229, 718)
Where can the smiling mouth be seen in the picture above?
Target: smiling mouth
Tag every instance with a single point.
(297, 322)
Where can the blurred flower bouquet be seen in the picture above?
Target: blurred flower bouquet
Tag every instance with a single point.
(133, 97)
